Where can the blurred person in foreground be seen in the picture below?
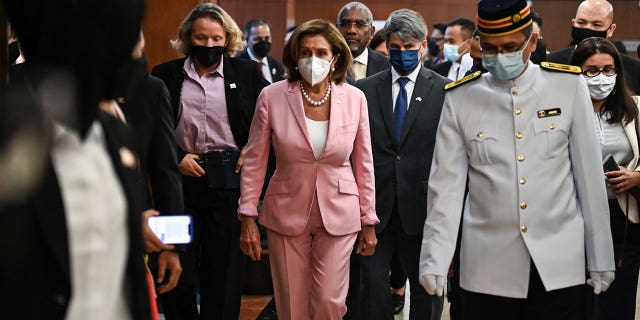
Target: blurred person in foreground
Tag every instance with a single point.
(321, 197)
(531, 149)
(73, 248)
(616, 114)
(213, 98)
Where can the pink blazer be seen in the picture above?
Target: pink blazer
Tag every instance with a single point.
(345, 192)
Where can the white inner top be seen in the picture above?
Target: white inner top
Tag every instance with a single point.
(318, 131)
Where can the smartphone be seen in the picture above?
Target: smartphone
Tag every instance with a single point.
(610, 164)
(172, 229)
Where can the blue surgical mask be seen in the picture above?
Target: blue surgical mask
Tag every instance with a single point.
(404, 61)
(505, 66)
(450, 52)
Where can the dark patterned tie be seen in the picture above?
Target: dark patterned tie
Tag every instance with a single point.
(400, 111)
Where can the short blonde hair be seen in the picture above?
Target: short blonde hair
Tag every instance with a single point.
(212, 11)
(339, 46)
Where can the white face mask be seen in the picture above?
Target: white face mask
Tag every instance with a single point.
(314, 69)
(450, 52)
(600, 86)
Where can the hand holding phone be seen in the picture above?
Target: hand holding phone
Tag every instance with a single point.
(172, 229)
(610, 164)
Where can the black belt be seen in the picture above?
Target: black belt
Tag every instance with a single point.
(219, 167)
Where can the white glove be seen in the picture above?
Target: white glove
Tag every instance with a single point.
(434, 284)
(600, 280)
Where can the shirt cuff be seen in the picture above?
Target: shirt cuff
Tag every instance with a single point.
(247, 212)
(367, 221)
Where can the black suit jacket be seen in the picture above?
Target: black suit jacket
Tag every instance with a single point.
(35, 275)
(243, 83)
(442, 68)
(277, 69)
(402, 170)
(376, 63)
(148, 112)
(630, 65)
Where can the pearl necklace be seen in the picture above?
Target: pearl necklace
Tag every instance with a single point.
(314, 102)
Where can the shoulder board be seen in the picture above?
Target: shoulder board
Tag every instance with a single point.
(552, 66)
(466, 79)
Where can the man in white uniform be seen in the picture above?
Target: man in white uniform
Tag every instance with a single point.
(537, 206)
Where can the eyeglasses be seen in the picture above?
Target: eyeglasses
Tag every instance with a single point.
(346, 24)
(608, 71)
(437, 39)
(509, 48)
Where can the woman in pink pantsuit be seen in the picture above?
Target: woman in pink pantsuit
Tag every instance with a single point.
(321, 196)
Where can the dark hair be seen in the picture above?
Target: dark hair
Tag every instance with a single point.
(329, 31)
(537, 18)
(377, 39)
(466, 26)
(619, 104)
(254, 23)
(442, 27)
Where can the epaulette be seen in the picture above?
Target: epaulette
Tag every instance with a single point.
(469, 78)
(552, 66)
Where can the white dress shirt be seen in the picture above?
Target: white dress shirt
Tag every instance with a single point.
(395, 86)
(96, 213)
(266, 72)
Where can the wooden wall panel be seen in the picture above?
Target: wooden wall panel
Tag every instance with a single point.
(161, 25)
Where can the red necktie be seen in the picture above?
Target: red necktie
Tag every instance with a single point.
(260, 64)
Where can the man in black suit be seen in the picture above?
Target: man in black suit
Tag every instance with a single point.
(72, 249)
(404, 109)
(594, 18)
(457, 42)
(213, 98)
(258, 35)
(355, 24)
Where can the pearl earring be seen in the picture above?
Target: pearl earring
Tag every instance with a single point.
(333, 69)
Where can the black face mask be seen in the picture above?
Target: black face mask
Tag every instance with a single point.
(261, 49)
(14, 52)
(433, 48)
(207, 56)
(579, 34)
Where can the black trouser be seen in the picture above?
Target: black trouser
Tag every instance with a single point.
(398, 277)
(619, 301)
(562, 304)
(213, 262)
(375, 295)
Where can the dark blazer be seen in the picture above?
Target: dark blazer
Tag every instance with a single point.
(402, 171)
(241, 102)
(376, 63)
(442, 68)
(277, 69)
(35, 270)
(148, 111)
(630, 65)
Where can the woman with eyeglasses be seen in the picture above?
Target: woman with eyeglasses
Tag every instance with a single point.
(616, 113)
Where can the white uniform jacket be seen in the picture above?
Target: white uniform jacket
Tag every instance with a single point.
(536, 185)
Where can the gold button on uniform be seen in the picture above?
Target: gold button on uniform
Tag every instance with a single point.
(523, 205)
(515, 92)
(522, 181)
(552, 126)
(519, 135)
(479, 134)
(315, 163)
(518, 111)
(524, 229)
(521, 157)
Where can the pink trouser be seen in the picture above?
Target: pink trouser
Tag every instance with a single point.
(310, 271)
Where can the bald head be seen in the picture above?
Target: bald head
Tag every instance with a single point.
(596, 15)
